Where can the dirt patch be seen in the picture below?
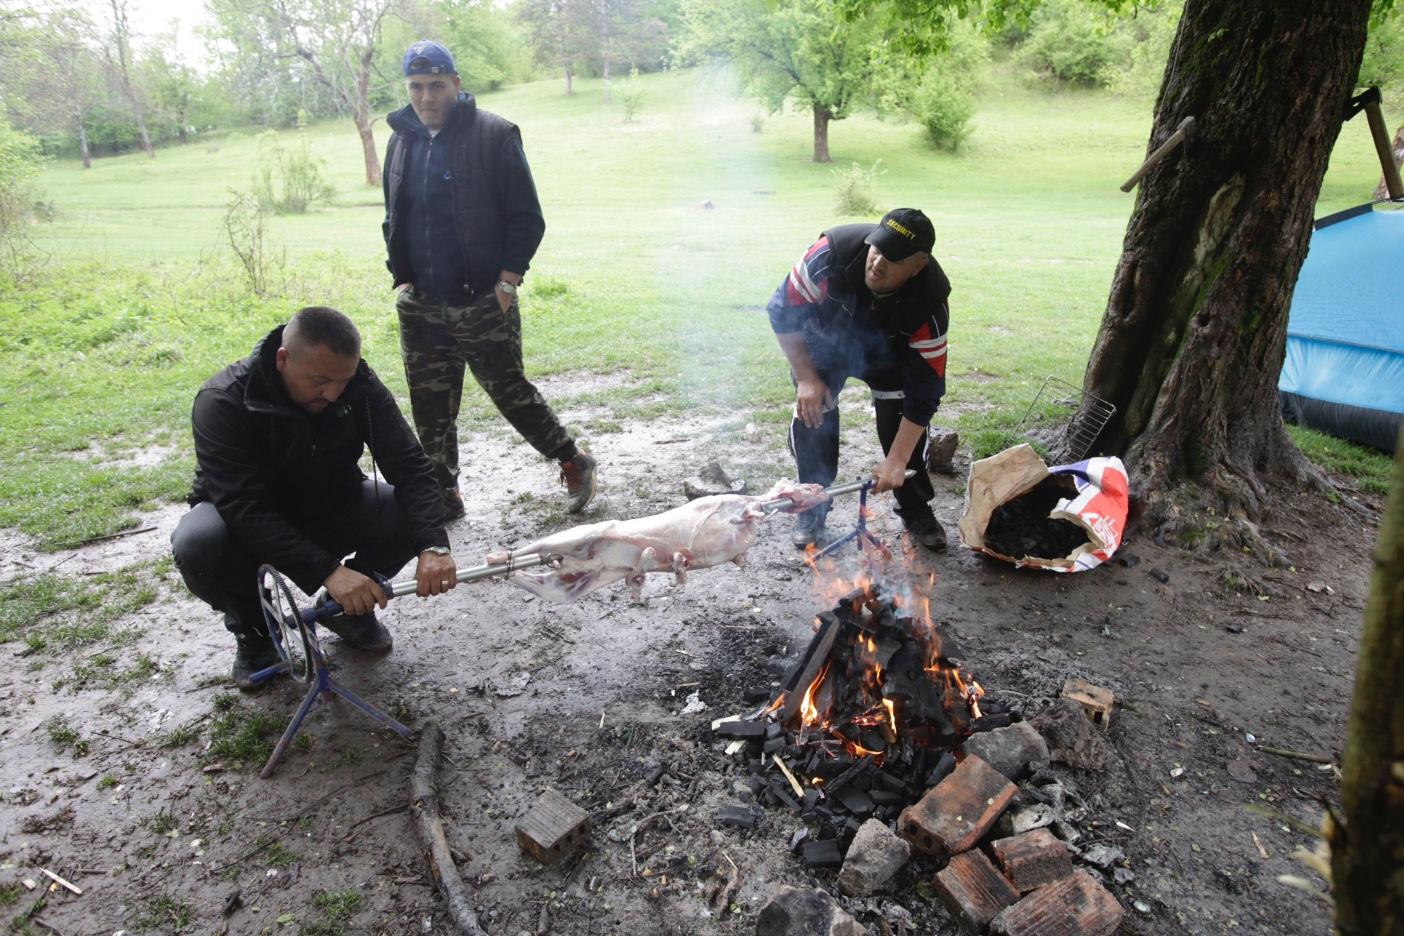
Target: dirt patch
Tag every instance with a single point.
(587, 698)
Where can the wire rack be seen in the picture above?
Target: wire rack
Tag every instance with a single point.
(1089, 416)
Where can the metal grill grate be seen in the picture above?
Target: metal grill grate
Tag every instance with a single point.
(1090, 415)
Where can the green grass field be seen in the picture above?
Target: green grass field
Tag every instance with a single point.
(135, 297)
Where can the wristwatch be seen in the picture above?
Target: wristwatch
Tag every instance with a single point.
(509, 288)
(439, 550)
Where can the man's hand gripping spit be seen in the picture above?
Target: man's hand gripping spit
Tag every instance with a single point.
(434, 574)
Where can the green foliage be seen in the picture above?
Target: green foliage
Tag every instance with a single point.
(166, 914)
(63, 737)
(336, 908)
(1071, 42)
(242, 736)
(20, 162)
(64, 612)
(246, 230)
(943, 99)
(856, 189)
(1383, 65)
(631, 95)
(1146, 36)
(290, 180)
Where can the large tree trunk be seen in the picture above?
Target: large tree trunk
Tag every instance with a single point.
(1194, 332)
(1367, 855)
(822, 116)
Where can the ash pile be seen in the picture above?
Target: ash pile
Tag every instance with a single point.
(902, 773)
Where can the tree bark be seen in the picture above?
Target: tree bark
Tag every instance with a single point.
(145, 136)
(361, 116)
(1367, 853)
(1382, 190)
(1194, 332)
(822, 116)
(569, 77)
(83, 143)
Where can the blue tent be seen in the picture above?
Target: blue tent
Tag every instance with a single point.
(1344, 372)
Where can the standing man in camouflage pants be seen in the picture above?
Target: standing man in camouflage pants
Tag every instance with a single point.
(462, 222)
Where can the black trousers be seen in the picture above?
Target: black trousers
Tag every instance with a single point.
(221, 572)
(816, 451)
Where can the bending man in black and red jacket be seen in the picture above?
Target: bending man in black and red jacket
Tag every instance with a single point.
(867, 301)
(278, 441)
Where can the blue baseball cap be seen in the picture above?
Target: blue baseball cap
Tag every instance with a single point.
(427, 57)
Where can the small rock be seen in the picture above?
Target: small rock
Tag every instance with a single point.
(706, 203)
(1071, 736)
(1009, 750)
(1033, 817)
(1177, 772)
(1240, 770)
(1141, 906)
(694, 704)
(796, 911)
(1234, 627)
(1123, 875)
(875, 854)
(941, 451)
(1129, 560)
(711, 480)
(1160, 576)
(1319, 587)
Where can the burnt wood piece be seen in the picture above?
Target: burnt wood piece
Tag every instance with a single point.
(736, 816)
(843, 779)
(958, 811)
(990, 721)
(942, 770)
(857, 802)
(1075, 906)
(974, 890)
(824, 853)
(1032, 859)
(809, 665)
(552, 828)
(741, 729)
(782, 792)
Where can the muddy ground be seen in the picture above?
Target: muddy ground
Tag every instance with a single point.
(586, 698)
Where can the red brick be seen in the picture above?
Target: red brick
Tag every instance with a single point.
(1032, 859)
(973, 890)
(957, 812)
(1095, 701)
(1075, 906)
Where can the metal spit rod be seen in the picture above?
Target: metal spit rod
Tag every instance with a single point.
(486, 571)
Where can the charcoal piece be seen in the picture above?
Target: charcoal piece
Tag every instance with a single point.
(824, 853)
(991, 721)
(942, 769)
(873, 741)
(742, 730)
(856, 802)
(885, 797)
(887, 647)
(1021, 527)
(737, 816)
(760, 694)
(811, 798)
(781, 792)
(833, 766)
(847, 776)
(773, 745)
(798, 838)
(773, 730)
(894, 784)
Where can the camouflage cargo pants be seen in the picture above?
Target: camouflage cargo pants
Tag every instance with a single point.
(437, 340)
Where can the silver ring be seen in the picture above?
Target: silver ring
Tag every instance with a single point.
(444, 583)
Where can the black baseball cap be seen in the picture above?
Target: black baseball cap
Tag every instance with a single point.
(901, 233)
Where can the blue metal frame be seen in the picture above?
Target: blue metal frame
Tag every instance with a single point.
(321, 685)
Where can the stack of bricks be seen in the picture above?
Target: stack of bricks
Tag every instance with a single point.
(1024, 885)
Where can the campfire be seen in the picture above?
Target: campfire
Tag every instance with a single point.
(869, 717)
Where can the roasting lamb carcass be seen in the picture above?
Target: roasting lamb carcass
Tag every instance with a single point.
(701, 533)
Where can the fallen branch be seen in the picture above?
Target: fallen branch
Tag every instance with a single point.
(102, 539)
(1295, 755)
(429, 826)
(364, 819)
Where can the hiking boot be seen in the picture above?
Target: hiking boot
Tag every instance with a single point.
(923, 528)
(809, 529)
(361, 631)
(453, 505)
(578, 475)
(252, 654)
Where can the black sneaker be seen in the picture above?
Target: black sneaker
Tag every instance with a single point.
(809, 529)
(253, 653)
(578, 475)
(453, 505)
(361, 631)
(923, 528)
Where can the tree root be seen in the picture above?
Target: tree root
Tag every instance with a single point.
(429, 826)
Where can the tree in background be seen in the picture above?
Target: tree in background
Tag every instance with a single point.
(559, 34)
(597, 35)
(484, 41)
(335, 40)
(938, 89)
(118, 55)
(50, 102)
(823, 57)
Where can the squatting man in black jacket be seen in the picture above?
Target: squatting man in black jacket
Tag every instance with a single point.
(867, 301)
(462, 222)
(278, 439)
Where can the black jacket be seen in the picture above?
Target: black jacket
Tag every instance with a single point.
(497, 216)
(269, 467)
